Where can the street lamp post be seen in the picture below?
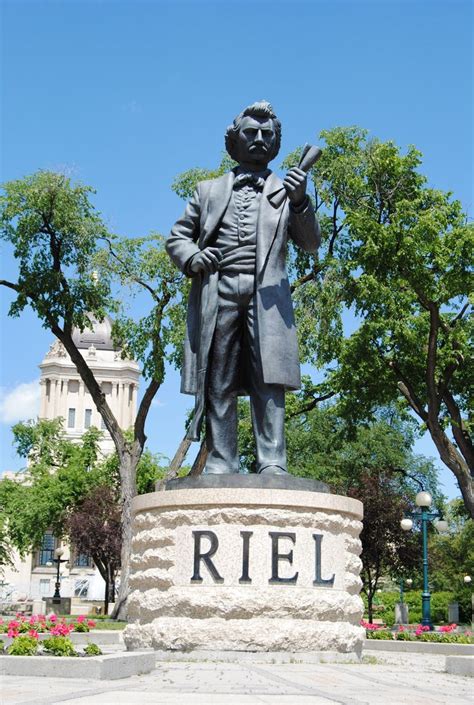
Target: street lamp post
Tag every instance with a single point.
(423, 501)
(58, 560)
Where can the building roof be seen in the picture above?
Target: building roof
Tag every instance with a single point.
(99, 335)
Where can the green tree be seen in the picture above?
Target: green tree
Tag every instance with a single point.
(62, 481)
(398, 254)
(451, 557)
(59, 475)
(60, 242)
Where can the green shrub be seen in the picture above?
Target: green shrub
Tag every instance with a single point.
(92, 650)
(59, 646)
(23, 645)
(379, 634)
(405, 636)
(2, 645)
(81, 626)
(385, 609)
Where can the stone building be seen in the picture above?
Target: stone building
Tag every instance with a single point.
(63, 394)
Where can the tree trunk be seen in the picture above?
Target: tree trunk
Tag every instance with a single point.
(128, 472)
(200, 461)
(175, 464)
(455, 462)
(370, 611)
(106, 594)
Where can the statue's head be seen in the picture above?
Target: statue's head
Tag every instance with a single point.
(255, 135)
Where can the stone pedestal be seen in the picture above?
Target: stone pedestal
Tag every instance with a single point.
(245, 568)
(401, 613)
(61, 606)
(453, 613)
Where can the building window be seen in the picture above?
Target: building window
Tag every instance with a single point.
(81, 587)
(88, 418)
(71, 418)
(45, 587)
(82, 560)
(45, 554)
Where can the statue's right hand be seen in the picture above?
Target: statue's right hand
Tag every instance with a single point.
(206, 261)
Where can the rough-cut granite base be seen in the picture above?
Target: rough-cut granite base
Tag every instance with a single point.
(170, 611)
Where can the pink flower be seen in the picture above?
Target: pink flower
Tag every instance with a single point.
(448, 628)
(80, 618)
(52, 618)
(12, 633)
(61, 630)
(33, 633)
(90, 623)
(401, 628)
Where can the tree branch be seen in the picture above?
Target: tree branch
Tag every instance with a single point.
(433, 397)
(311, 405)
(10, 285)
(460, 433)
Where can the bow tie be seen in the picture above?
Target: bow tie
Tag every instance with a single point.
(254, 180)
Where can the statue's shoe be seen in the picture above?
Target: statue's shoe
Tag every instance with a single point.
(272, 470)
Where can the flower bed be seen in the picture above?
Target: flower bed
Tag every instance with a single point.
(25, 634)
(447, 634)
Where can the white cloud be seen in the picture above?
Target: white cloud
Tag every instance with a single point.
(20, 403)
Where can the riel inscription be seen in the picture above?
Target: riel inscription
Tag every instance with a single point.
(280, 545)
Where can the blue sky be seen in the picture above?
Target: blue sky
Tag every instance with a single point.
(126, 95)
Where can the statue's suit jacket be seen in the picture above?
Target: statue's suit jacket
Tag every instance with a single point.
(196, 230)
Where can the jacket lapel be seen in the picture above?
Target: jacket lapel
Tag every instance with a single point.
(268, 220)
(219, 197)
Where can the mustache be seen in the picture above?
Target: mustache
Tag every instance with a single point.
(259, 146)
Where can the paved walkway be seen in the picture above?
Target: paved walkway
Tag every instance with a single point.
(382, 679)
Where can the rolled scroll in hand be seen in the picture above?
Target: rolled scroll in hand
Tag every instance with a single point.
(309, 157)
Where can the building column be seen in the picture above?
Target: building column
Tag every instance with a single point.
(55, 397)
(80, 406)
(133, 410)
(43, 398)
(120, 409)
(64, 395)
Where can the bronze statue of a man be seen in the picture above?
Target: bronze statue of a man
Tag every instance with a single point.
(241, 336)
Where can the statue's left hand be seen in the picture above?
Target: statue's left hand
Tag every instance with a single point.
(295, 185)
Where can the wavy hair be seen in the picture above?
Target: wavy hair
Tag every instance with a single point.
(261, 109)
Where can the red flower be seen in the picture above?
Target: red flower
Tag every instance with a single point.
(90, 623)
(33, 633)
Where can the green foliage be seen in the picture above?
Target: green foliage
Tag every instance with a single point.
(23, 645)
(384, 608)
(405, 636)
(151, 468)
(142, 267)
(379, 634)
(60, 475)
(451, 557)
(92, 650)
(6, 549)
(185, 184)
(54, 229)
(59, 646)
